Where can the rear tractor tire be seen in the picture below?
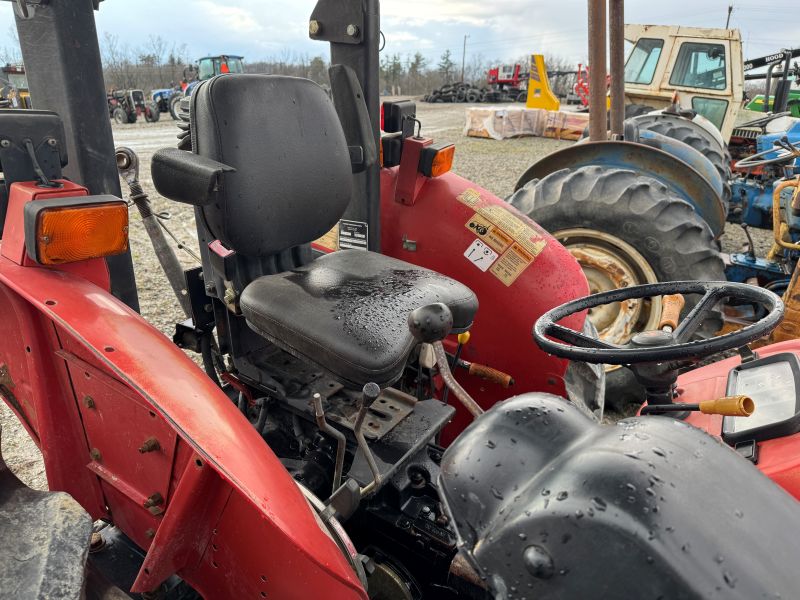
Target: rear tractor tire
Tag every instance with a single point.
(634, 110)
(698, 138)
(119, 115)
(624, 229)
(152, 113)
(174, 105)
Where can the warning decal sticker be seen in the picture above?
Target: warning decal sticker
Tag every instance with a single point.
(491, 235)
(480, 255)
(513, 262)
(513, 239)
(329, 241)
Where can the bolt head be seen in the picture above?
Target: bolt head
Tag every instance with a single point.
(352, 30)
(97, 543)
(5, 143)
(314, 27)
(52, 142)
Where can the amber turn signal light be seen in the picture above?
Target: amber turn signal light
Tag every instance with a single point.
(67, 230)
(436, 159)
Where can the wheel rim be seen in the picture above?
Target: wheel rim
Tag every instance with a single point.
(610, 263)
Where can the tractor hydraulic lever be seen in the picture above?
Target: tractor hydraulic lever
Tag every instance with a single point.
(128, 166)
(341, 441)
(370, 393)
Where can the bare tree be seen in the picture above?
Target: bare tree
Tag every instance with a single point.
(11, 54)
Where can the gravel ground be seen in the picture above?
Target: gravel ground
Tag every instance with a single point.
(494, 165)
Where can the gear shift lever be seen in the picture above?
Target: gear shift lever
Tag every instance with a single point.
(430, 325)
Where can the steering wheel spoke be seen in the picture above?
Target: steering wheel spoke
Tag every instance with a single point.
(570, 336)
(692, 322)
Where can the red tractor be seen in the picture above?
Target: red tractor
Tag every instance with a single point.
(507, 83)
(350, 436)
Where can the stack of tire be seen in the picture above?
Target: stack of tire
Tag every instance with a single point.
(466, 92)
(628, 226)
(456, 92)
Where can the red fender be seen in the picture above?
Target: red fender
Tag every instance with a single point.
(433, 222)
(95, 385)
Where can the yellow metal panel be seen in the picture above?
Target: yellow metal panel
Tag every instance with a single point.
(539, 93)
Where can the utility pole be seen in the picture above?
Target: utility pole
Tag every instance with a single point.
(464, 56)
(728, 20)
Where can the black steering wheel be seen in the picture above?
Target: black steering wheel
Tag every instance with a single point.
(659, 345)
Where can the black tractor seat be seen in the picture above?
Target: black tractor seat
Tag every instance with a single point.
(269, 175)
(347, 312)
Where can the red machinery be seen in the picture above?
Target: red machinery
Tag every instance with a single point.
(316, 468)
(581, 86)
(507, 83)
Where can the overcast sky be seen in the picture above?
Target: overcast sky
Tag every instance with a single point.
(497, 29)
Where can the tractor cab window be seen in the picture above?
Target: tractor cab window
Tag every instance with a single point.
(208, 67)
(19, 81)
(642, 61)
(700, 65)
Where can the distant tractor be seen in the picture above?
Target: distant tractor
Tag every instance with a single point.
(14, 87)
(649, 203)
(126, 106)
(206, 68)
(162, 97)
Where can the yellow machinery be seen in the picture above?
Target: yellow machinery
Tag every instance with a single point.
(539, 93)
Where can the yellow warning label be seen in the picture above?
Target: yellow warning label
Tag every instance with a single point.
(511, 264)
(487, 231)
(469, 197)
(514, 238)
(330, 240)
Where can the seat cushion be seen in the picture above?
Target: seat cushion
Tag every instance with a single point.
(347, 312)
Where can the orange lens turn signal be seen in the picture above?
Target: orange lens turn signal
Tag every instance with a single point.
(74, 233)
(443, 161)
(436, 159)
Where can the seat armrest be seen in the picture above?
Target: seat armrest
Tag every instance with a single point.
(186, 177)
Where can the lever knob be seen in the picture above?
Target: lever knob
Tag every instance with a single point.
(431, 323)
(371, 391)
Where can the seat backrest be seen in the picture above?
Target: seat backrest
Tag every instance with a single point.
(292, 180)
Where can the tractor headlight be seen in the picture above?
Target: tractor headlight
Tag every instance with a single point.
(774, 385)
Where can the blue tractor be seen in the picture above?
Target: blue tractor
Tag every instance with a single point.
(163, 96)
(764, 195)
(650, 205)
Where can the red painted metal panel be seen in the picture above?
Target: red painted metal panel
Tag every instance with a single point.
(270, 570)
(121, 430)
(103, 332)
(779, 459)
(435, 232)
(45, 403)
(186, 529)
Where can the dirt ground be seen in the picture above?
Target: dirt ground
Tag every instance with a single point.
(494, 165)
